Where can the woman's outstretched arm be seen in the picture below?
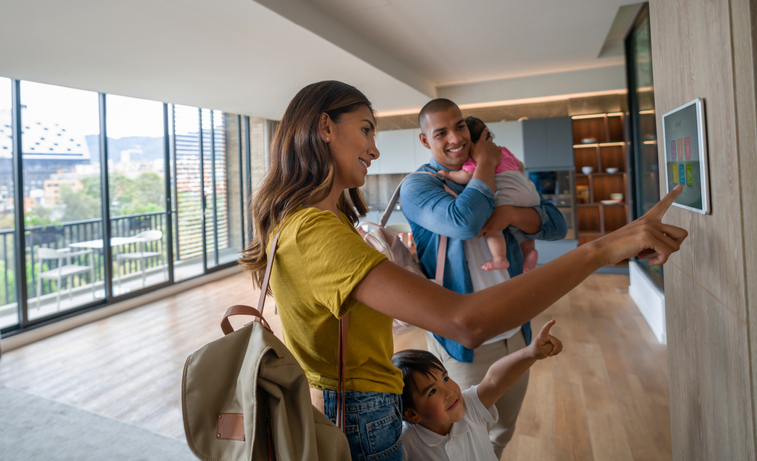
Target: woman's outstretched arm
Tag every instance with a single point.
(473, 318)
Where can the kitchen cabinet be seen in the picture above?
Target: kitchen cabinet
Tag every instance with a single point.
(547, 144)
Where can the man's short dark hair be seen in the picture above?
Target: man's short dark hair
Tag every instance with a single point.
(412, 361)
(434, 106)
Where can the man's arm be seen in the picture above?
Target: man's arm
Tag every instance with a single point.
(543, 222)
(426, 203)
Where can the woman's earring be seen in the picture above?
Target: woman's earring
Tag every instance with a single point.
(328, 139)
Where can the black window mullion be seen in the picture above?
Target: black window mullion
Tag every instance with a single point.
(169, 202)
(18, 192)
(248, 165)
(213, 180)
(241, 180)
(203, 205)
(106, 227)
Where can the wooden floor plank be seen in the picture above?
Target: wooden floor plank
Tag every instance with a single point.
(605, 397)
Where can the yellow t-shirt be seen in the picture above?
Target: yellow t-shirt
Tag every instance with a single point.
(318, 263)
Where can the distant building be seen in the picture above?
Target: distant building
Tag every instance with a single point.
(52, 189)
(47, 148)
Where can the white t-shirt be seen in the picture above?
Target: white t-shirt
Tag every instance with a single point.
(467, 440)
(477, 253)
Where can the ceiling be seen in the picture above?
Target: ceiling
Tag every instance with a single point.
(251, 57)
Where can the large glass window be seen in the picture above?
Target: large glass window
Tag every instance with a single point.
(188, 215)
(171, 215)
(646, 181)
(8, 297)
(137, 192)
(62, 198)
(229, 188)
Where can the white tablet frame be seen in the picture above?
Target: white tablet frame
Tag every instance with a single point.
(704, 176)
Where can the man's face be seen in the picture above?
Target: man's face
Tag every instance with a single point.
(447, 135)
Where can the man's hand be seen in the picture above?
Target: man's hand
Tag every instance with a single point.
(546, 345)
(485, 151)
(525, 219)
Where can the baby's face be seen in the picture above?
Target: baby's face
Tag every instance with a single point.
(438, 402)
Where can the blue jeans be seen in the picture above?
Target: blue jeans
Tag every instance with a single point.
(373, 422)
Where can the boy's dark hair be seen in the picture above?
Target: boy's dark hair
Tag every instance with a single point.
(476, 127)
(412, 361)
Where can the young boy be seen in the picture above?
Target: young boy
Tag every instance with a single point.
(513, 188)
(444, 423)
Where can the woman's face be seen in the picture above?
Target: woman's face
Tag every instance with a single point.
(353, 147)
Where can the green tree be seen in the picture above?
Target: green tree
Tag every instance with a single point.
(80, 204)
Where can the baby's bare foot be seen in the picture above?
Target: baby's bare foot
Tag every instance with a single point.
(496, 264)
(530, 258)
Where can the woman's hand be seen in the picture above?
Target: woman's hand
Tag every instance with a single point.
(646, 237)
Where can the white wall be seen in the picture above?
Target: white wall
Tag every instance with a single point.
(402, 151)
(510, 135)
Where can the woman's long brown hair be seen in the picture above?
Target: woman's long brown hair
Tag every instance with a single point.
(301, 167)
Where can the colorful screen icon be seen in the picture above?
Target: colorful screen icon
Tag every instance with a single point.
(687, 146)
(689, 175)
(681, 174)
(673, 150)
(680, 148)
(674, 169)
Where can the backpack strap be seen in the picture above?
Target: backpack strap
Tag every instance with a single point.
(344, 323)
(441, 256)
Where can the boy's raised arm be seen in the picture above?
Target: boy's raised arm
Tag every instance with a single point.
(508, 370)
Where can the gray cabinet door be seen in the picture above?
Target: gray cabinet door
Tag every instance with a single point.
(534, 144)
(559, 142)
(548, 143)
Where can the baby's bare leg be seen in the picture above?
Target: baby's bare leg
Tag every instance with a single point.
(530, 255)
(498, 248)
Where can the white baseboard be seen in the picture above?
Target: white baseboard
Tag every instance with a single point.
(22, 339)
(649, 299)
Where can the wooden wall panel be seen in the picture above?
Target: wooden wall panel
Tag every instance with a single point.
(706, 284)
(709, 382)
(745, 70)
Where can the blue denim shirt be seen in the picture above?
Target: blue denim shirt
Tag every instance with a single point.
(432, 211)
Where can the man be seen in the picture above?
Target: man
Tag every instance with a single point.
(432, 211)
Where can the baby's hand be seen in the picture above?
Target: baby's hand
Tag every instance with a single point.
(458, 176)
(546, 345)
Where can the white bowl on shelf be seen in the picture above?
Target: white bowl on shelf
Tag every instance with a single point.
(587, 170)
(611, 170)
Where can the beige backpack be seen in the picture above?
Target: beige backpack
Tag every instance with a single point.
(245, 397)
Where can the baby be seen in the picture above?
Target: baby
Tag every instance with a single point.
(444, 423)
(513, 188)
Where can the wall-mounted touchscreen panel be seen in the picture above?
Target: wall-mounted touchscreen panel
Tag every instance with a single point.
(686, 155)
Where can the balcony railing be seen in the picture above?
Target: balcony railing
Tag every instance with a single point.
(59, 237)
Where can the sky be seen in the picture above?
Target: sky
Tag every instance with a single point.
(78, 110)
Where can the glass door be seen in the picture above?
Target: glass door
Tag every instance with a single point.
(62, 198)
(189, 257)
(8, 296)
(137, 193)
(646, 177)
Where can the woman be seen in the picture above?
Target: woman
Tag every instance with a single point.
(319, 158)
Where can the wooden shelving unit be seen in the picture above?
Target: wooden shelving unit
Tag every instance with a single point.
(599, 142)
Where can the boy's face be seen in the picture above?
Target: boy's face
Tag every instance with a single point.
(447, 135)
(438, 402)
